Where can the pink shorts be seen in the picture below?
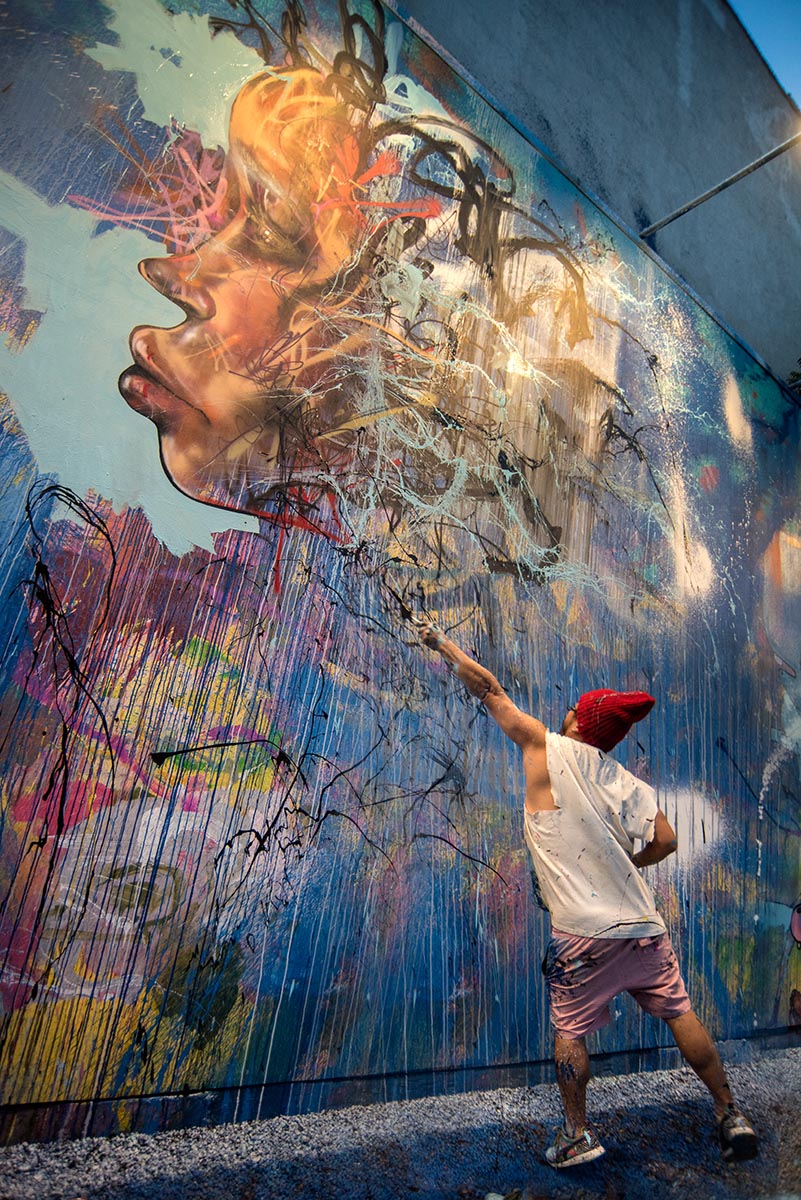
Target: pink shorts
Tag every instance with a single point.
(583, 974)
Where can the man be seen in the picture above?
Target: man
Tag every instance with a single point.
(583, 812)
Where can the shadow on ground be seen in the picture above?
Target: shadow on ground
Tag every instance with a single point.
(657, 1129)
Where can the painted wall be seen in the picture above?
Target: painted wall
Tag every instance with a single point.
(386, 360)
(647, 106)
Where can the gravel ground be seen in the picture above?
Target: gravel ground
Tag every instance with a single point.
(656, 1127)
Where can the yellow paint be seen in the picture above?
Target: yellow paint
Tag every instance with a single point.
(560, 591)
(18, 341)
(82, 968)
(57, 1049)
(124, 1114)
(74, 1050)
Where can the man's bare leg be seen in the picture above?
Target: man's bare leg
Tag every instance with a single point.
(692, 1039)
(573, 1075)
(738, 1140)
(700, 1052)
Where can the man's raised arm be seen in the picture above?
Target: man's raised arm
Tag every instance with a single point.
(519, 726)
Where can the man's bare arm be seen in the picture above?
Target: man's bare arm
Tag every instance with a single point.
(663, 843)
(519, 726)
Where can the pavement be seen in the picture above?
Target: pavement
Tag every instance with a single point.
(656, 1126)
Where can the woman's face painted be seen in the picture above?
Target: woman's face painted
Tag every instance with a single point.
(242, 390)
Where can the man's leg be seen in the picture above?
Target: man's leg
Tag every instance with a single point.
(573, 1075)
(738, 1140)
(575, 1008)
(575, 1144)
(700, 1052)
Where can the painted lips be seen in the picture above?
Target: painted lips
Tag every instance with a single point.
(147, 396)
(142, 386)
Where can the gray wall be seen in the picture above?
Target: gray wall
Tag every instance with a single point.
(647, 105)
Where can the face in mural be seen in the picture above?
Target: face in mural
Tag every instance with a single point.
(249, 391)
(115, 929)
(345, 323)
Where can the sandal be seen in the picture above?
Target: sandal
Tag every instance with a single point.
(570, 1152)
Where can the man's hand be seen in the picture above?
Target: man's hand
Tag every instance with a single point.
(662, 844)
(476, 678)
(430, 636)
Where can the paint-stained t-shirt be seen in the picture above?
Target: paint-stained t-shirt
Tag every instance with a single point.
(582, 849)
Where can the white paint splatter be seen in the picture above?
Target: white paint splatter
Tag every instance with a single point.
(736, 420)
(402, 286)
(695, 574)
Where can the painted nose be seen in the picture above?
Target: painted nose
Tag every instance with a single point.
(173, 277)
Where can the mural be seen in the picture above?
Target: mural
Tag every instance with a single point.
(377, 357)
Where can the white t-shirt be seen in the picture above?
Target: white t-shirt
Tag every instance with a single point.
(582, 849)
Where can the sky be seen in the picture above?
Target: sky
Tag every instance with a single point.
(775, 26)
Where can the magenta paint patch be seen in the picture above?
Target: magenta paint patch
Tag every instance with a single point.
(795, 923)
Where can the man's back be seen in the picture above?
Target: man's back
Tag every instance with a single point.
(582, 846)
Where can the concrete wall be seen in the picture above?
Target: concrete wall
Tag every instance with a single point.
(647, 106)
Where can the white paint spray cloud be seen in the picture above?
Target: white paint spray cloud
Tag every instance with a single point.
(698, 821)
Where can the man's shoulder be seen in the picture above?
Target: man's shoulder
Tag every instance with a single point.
(613, 775)
(574, 748)
(595, 765)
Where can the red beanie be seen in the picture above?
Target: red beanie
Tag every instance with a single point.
(604, 717)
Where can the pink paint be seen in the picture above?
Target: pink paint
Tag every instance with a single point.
(277, 567)
(795, 923)
(82, 798)
(709, 477)
(190, 200)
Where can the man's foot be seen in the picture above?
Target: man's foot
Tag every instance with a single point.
(737, 1138)
(570, 1151)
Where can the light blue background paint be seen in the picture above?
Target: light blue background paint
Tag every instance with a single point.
(181, 72)
(64, 381)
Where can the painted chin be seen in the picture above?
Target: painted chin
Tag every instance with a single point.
(151, 399)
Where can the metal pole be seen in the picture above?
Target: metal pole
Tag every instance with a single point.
(759, 162)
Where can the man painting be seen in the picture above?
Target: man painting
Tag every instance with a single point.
(583, 813)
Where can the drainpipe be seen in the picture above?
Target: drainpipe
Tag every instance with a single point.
(720, 187)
